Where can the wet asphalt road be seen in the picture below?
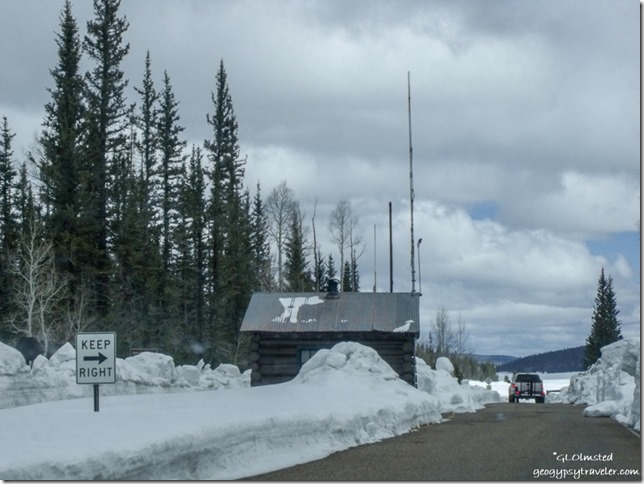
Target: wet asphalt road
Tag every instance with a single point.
(524, 441)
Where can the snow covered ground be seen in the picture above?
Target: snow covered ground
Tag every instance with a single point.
(159, 421)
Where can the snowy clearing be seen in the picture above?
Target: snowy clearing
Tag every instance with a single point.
(164, 422)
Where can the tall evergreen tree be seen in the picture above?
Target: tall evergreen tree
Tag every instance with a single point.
(230, 246)
(106, 120)
(605, 325)
(171, 165)
(171, 159)
(61, 140)
(319, 271)
(355, 274)
(198, 213)
(131, 263)
(347, 282)
(147, 121)
(25, 202)
(146, 146)
(8, 222)
(331, 272)
(191, 242)
(261, 248)
(298, 275)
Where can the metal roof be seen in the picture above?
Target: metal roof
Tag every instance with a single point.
(313, 312)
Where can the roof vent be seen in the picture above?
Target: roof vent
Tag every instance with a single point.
(332, 289)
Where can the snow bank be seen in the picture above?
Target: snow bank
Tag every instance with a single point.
(11, 360)
(443, 363)
(452, 397)
(611, 387)
(343, 397)
(360, 360)
(55, 378)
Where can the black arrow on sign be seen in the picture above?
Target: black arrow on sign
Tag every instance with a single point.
(100, 358)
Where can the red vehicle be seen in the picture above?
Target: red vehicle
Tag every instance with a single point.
(526, 385)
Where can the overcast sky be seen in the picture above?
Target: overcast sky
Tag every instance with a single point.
(525, 122)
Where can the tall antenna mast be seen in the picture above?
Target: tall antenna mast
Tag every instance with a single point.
(374, 257)
(391, 255)
(411, 187)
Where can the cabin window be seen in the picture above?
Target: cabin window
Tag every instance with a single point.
(307, 354)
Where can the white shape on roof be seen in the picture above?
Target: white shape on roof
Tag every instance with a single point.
(292, 307)
(404, 328)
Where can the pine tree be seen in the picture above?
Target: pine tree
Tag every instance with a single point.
(61, 140)
(147, 122)
(106, 120)
(8, 223)
(354, 273)
(260, 246)
(298, 276)
(171, 158)
(146, 146)
(605, 325)
(130, 263)
(170, 166)
(191, 234)
(26, 204)
(331, 272)
(230, 246)
(347, 280)
(319, 271)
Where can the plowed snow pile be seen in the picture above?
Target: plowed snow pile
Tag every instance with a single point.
(343, 397)
(611, 387)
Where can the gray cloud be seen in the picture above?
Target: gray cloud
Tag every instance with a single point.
(527, 107)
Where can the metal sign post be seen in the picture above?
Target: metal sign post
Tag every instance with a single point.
(95, 360)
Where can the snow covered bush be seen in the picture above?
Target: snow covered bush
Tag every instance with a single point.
(611, 387)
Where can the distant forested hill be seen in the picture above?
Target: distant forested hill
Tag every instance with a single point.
(570, 359)
(496, 359)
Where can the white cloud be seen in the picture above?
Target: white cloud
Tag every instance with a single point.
(484, 252)
(623, 268)
(581, 203)
(508, 284)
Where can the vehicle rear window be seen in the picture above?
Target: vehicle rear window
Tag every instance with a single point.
(528, 378)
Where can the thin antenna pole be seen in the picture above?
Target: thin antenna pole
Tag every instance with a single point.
(420, 279)
(391, 255)
(411, 187)
(374, 257)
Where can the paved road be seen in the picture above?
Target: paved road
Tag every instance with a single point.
(523, 441)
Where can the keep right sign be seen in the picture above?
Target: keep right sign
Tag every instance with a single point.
(95, 358)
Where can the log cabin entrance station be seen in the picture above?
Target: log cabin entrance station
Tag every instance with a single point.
(288, 328)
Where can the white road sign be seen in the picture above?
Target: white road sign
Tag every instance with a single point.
(96, 358)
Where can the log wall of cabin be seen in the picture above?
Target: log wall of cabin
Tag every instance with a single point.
(275, 357)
